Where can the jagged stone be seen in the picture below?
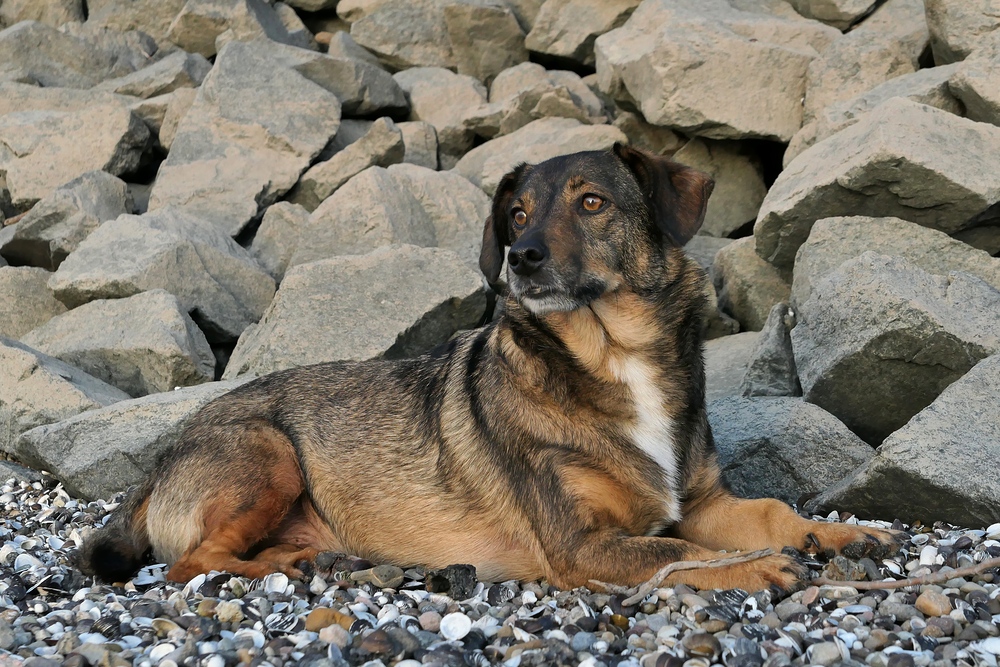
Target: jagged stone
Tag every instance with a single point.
(739, 183)
(485, 38)
(977, 83)
(178, 70)
(32, 52)
(278, 237)
(771, 370)
(420, 143)
(703, 249)
(655, 139)
(26, 302)
(50, 12)
(957, 27)
(200, 23)
(180, 103)
(404, 33)
(568, 28)
(726, 360)
(150, 16)
(838, 13)
(748, 286)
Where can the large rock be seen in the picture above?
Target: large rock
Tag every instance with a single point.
(879, 339)
(977, 82)
(748, 286)
(150, 16)
(652, 138)
(568, 28)
(255, 126)
(485, 38)
(936, 467)
(21, 97)
(142, 345)
(957, 27)
(782, 447)
(101, 452)
(26, 302)
(838, 13)
(443, 98)
(57, 224)
(836, 240)
(212, 276)
(986, 238)
(42, 150)
(739, 183)
(535, 142)
(381, 146)
(395, 302)
(710, 69)
(181, 101)
(420, 143)
(50, 12)
(178, 70)
(771, 370)
(726, 360)
(204, 25)
(278, 237)
(36, 389)
(404, 33)
(32, 52)
(895, 161)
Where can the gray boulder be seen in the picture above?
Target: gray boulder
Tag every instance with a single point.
(32, 52)
(152, 17)
(485, 38)
(212, 276)
(838, 13)
(181, 101)
(142, 344)
(782, 447)
(739, 182)
(420, 143)
(653, 138)
(381, 146)
(568, 28)
(890, 163)
(726, 360)
(936, 467)
(771, 370)
(748, 286)
(36, 389)
(977, 82)
(703, 249)
(836, 240)
(403, 33)
(101, 452)
(397, 301)
(21, 97)
(26, 302)
(59, 222)
(278, 237)
(18, 473)
(535, 142)
(203, 26)
(53, 13)
(957, 27)
(875, 371)
(178, 70)
(342, 45)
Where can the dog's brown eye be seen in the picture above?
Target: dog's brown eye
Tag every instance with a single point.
(520, 217)
(592, 202)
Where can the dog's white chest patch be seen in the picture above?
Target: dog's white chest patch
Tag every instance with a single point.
(653, 431)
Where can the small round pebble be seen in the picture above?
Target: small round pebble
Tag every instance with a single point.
(456, 625)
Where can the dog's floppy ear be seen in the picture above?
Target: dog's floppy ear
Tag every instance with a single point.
(496, 234)
(677, 195)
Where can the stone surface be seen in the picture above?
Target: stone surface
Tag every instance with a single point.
(748, 286)
(537, 141)
(836, 240)
(985, 238)
(213, 278)
(711, 69)
(381, 146)
(838, 13)
(36, 389)
(50, 12)
(204, 26)
(402, 33)
(726, 360)
(771, 370)
(957, 27)
(902, 159)
(485, 38)
(395, 302)
(178, 70)
(255, 126)
(739, 183)
(935, 467)
(977, 83)
(342, 45)
(26, 302)
(703, 249)
(568, 28)
(150, 16)
(420, 143)
(879, 339)
(652, 138)
(101, 452)
(142, 344)
(278, 236)
(442, 98)
(59, 222)
(782, 447)
(180, 103)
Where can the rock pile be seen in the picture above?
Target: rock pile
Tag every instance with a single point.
(193, 192)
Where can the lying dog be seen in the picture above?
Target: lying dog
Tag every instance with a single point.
(566, 440)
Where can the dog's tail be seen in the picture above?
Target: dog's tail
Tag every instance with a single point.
(117, 551)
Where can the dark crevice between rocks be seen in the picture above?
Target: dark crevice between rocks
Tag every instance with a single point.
(223, 352)
(550, 62)
(86, 9)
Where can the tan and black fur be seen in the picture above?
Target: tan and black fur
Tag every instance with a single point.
(566, 440)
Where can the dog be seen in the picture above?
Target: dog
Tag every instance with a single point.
(566, 440)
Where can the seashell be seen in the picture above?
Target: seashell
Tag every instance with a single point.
(456, 625)
(928, 555)
(276, 583)
(214, 660)
(255, 635)
(920, 539)
(498, 594)
(528, 597)
(193, 585)
(26, 562)
(107, 626)
(161, 651)
(388, 614)
(475, 658)
(284, 623)
(993, 531)
(989, 646)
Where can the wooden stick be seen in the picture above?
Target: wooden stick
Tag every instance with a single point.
(647, 587)
(13, 219)
(933, 578)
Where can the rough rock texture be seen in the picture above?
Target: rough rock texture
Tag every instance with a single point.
(838, 13)
(782, 447)
(710, 69)
(36, 389)
(739, 183)
(202, 26)
(150, 16)
(404, 33)
(57, 224)
(278, 236)
(771, 370)
(903, 160)
(381, 146)
(420, 143)
(957, 27)
(178, 70)
(655, 139)
(977, 82)
(50, 13)
(142, 345)
(986, 238)
(704, 248)
(26, 302)
(748, 286)
(180, 103)
(568, 28)
(726, 362)
(485, 38)
(413, 298)
(215, 279)
(102, 452)
(252, 130)
(879, 339)
(936, 467)
(537, 141)
(836, 240)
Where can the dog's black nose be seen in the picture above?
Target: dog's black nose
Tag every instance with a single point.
(527, 256)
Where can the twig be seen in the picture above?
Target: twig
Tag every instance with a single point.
(12, 219)
(646, 588)
(933, 578)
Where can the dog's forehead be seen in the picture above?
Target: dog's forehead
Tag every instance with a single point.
(574, 171)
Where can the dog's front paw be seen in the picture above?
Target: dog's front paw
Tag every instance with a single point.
(779, 572)
(853, 541)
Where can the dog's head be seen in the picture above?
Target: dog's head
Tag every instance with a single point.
(579, 226)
